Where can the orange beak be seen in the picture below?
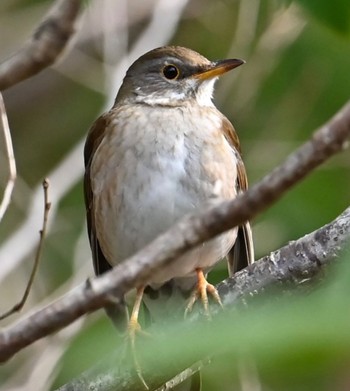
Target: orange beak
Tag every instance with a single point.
(218, 68)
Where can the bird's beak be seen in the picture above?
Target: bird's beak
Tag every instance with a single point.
(218, 68)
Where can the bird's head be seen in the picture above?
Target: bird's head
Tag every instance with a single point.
(171, 76)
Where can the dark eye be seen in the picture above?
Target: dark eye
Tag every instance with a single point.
(171, 72)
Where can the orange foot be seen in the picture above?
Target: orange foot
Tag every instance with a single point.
(134, 328)
(201, 291)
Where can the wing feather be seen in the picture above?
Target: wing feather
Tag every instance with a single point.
(117, 310)
(242, 253)
(93, 140)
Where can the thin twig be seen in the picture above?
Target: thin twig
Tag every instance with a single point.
(47, 204)
(44, 47)
(191, 372)
(186, 234)
(10, 159)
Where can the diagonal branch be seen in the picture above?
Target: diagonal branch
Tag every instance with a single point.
(297, 261)
(187, 233)
(44, 47)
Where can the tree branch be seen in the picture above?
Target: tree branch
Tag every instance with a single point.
(45, 45)
(290, 265)
(187, 233)
(298, 261)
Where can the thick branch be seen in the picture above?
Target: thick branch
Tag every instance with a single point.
(44, 47)
(189, 232)
(299, 260)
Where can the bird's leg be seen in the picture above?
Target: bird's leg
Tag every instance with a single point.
(201, 291)
(134, 325)
(135, 328)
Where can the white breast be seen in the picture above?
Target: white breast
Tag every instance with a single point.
(144, 178)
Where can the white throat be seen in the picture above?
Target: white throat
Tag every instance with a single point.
(203, 95)
(205, 91)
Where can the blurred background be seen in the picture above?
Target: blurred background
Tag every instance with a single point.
(297, 75)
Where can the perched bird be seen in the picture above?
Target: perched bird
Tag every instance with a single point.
(161, 152)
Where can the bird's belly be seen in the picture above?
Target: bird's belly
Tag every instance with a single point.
(148, 188)
(150, 210)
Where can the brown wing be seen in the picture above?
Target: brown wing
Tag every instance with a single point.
(242, 253)
(93, 140)
(117, 310)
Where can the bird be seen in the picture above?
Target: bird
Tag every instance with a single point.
(161, 152)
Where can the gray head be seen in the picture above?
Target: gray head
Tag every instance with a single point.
(171, 75)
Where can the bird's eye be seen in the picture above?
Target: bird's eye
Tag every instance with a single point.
(171, 72)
